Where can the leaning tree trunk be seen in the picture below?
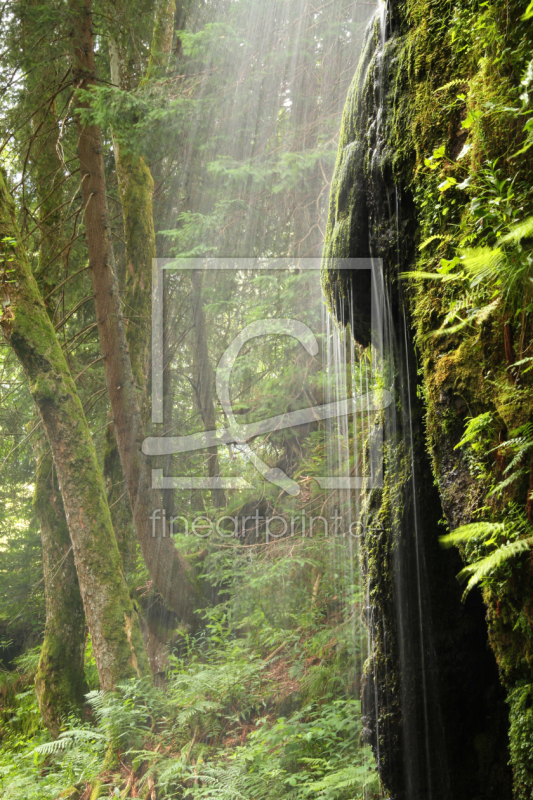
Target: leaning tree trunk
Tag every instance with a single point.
(112, 620)
(170, 572)
(60, 680)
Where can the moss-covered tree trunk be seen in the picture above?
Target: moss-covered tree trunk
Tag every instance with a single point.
(162, 38)
(60, 680)
(136, 188)
(112, 620)
(170, 572)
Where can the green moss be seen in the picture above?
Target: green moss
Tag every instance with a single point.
(119, 504)
(161, 38)
(521, 735)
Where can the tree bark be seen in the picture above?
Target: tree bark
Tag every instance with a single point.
(170, 572)
(60, 680)
(136, 186)
(119, 504)
(111, 618)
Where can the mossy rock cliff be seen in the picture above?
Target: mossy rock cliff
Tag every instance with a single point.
(429, 165)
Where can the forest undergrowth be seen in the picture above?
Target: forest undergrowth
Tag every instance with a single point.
(263, 705)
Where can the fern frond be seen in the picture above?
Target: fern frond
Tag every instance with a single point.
(341, 779)
(434, 239)
(485, 311)
(452, 84)
(502, 485)
(452, 329)
(483, 260)
(521, 231)
(434, 276)
(200, 707)
(474, 427)
(68, 739)
(486, 567)
(474, 530)
(523, 446)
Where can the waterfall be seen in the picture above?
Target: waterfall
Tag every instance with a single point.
(401, 685)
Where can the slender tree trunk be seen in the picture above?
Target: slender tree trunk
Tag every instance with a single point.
(135, 186)
(205, 382)
(112, 620)
(170, 572)
(60, 680)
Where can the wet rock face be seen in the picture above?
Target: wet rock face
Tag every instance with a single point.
(434, 710)
(459, 491)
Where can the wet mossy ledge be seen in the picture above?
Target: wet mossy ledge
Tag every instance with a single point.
(432, 162)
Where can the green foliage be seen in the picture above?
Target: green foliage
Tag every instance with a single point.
(474, 529)
(19, 712)
(518, 446)
(477, 430)
(215, 731)
(489, 535)
(241, 132)
(466, 128)
(314, 753)
(486, 273)
(516, 530)
(486, 567)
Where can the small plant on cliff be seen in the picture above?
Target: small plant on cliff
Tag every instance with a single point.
(489, 546)
(487, 536)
